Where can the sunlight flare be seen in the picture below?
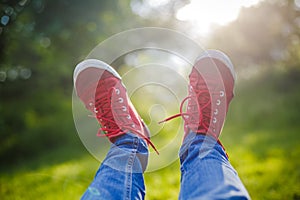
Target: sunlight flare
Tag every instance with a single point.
(204, 14)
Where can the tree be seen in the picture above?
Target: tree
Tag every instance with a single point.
(40, 45)
(263, 35)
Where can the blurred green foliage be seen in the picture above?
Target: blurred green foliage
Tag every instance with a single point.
(40, 43)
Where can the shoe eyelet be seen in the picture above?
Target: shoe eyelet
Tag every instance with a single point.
(222, 93)
(124, 108)
(95, 110)
(218, 102)
(90, 104)
(216, 111)
(214, 120)
(128, 117)
(117, 91)
(133, 125)
(121, 100)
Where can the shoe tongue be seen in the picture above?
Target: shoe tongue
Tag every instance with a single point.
(105, 75)
(106, 81)
(197, 80)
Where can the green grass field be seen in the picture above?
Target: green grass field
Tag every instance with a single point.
(261, 137)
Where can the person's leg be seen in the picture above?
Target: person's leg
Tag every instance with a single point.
(206, 172)
(120, 176)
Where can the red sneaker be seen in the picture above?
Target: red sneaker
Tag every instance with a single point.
(210, 92)
(100, 88)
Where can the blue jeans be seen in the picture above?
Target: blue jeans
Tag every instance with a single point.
(205, 171)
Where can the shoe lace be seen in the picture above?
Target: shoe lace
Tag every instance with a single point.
(198, 110)
(102, 110)
(196, 116)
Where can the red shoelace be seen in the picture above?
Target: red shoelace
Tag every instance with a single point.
(114, 115)
(195, 118)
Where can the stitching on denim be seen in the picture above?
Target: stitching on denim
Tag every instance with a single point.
(129, 169)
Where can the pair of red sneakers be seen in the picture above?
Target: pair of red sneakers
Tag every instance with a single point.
(211, 86)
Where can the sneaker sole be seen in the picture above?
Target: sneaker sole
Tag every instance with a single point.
(95, 64)
(220, 56)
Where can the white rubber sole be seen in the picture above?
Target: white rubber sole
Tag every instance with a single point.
(95, 64)
(216, 54)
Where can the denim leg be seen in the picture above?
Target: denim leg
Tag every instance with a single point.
(120, 175)
(206, 172)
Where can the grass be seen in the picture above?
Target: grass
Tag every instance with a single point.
(261, 137)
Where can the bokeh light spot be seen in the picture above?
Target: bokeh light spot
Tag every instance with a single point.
(23, 2)
(12, 74)
(4, 20)
(25, 73)
(45, 42)
(2, 76)
(9, 11)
